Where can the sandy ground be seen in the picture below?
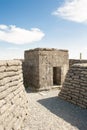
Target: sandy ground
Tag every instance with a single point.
(49, 112)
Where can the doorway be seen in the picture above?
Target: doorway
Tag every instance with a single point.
(56, 75)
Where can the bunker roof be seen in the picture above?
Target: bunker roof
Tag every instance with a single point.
(46, 49)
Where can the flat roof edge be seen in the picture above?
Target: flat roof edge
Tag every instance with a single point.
(46, 49)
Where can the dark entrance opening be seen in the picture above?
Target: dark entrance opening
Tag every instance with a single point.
(56, 75)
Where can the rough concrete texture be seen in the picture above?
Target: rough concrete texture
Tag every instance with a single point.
(13, 99)
(48, 112)
(44, 68)
(74, 88)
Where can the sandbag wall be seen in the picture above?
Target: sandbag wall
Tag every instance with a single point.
(13, 99)
(76, 61)
(74, 88)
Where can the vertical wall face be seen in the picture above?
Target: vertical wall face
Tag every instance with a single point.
(53, 66)
(13, 100)
(31, 69)
(45, 70)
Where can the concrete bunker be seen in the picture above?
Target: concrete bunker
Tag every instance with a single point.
(45, 68)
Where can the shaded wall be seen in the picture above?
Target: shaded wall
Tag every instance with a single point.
(31, 69)
(74, 88)
(13, 99)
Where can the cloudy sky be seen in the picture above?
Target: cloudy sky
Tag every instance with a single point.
(28, 24)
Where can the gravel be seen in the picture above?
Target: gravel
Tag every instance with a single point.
(48, 112)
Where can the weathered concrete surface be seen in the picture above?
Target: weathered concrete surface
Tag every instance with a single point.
(44, 68)
(48, 112)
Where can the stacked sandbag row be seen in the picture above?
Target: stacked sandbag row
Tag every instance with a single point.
(13, 99)
(74, 88)
(76, 61)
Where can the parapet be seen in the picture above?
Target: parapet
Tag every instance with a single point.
(74, 88)
(46, 49)
(13, 99)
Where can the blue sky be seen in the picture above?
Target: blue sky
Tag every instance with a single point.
(27, 24)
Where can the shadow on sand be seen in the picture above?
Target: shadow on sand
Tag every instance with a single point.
(73, 114)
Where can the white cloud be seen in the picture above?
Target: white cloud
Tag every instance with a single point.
(3, 27)
(74, 10)
(16, 35)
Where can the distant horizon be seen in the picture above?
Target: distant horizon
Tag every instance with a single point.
(18, 58)
(43, 24)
